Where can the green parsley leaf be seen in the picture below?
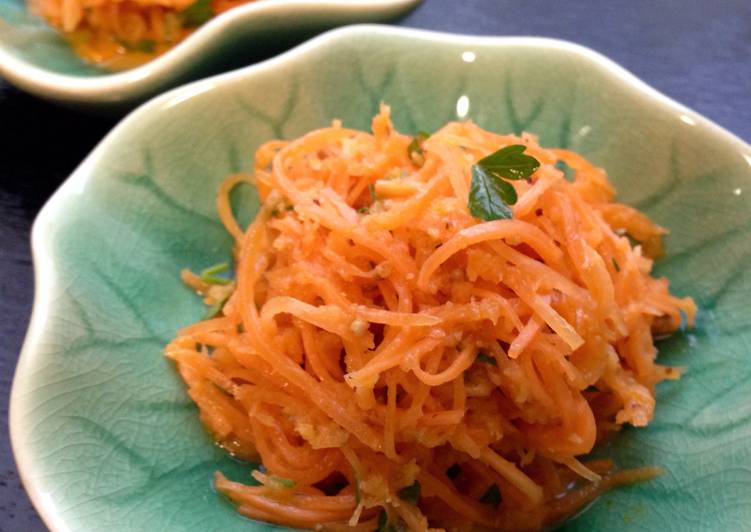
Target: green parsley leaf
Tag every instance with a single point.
(410, 494)
(363, 210)
(372, 192)
(486, 359)
(509, 163)
(414, 149)
(209, 274)
(490, 195)
(492, 496)
(489, 198)
(197, 13)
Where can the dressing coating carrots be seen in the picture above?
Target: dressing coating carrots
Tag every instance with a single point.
(377, 335)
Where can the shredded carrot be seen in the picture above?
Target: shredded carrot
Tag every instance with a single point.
(377, 335)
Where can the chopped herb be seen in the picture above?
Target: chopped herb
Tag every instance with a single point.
(358, 493)
(276, 211)
(568, 173)
(216, 268)
(198, 13)
(363, 210)
(171, 26)
(486, 359)
(285, 482)
(261, 475)
(209, 274)
(385, 526)
(492, 496)
(145, 46)
(414, 149)
(371, 190)
(490, 195)
(383, 520)
(616, 265)
(215, 309)
(410, 494)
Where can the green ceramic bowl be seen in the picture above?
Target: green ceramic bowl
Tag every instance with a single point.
(38, 59)
(104, 434)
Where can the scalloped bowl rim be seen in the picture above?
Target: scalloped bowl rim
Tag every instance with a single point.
(43, 258)
(139, 80)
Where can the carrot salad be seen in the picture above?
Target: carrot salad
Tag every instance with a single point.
(397, 362)
(121, 34)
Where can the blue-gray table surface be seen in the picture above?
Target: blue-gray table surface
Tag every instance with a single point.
(697, 52)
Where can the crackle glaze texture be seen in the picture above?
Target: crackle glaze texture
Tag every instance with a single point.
(105, 435)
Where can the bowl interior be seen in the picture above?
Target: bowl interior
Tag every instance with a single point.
(104, 433)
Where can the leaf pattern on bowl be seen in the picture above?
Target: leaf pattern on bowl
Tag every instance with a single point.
(104, 434)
